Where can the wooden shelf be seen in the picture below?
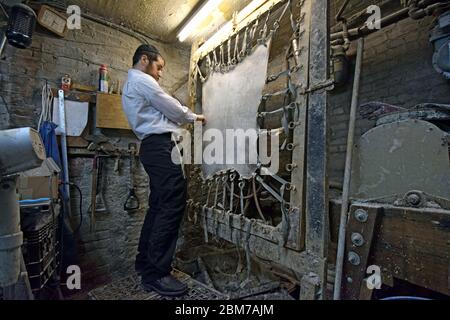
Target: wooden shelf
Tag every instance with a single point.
(110, 113)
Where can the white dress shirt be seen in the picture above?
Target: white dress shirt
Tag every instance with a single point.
(149, 109)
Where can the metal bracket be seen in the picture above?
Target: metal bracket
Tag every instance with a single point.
(361, 227)
(328, 85)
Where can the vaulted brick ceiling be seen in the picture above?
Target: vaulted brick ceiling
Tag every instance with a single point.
(159, 18)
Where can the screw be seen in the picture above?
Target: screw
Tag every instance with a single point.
(361, 215)
(357, 239)
(354, 258)
(414, 199)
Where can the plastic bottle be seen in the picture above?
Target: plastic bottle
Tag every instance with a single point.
(103, 78)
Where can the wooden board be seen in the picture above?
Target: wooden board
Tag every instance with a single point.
(414, 245)
(109, 112)
(410, 244)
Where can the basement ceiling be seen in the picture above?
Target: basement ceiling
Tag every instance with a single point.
(161, 19)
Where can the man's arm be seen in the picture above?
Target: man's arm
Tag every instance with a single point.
(165, 104)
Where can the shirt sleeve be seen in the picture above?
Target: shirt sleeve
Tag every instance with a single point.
(164, 103)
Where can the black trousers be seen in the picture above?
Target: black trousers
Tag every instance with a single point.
(167, 203)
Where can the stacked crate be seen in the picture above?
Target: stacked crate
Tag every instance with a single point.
(41, 247)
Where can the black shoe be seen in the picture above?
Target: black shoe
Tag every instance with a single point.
(166, 286)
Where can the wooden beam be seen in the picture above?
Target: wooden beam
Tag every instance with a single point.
(300, 78)
(317, 222)
(300, 262)
(317, 182)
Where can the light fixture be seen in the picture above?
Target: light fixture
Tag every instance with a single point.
(244, 13)
(21, 24)
(198, 17)
(240, 17)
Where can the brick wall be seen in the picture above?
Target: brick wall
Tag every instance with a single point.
(397, 69)
(110, 250)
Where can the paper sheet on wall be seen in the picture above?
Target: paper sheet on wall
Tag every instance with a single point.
(231, 101)
(76, 117)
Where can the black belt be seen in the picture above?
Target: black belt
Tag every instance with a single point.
(160, 135)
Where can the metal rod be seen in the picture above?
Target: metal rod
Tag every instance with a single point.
(348, 171)
(341, 11)
(364, 30)
(255, 196)
(4, 11)
(268, 188)
(352, 20)
(2, 44)
(62, 121)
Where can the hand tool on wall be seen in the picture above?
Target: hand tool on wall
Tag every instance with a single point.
(117, 163)
(132, 203)
(94, 190)
(100, 206)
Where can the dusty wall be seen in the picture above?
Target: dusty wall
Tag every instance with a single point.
(110, 250)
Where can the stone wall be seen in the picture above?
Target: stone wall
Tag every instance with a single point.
(397, 69)
(110, 250)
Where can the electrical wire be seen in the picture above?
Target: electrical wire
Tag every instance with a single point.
(47, 104)
(255, 195)
(77, 230)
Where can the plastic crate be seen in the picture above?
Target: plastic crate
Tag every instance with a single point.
(41, 247)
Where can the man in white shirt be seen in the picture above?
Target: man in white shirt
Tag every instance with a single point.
(155, 118)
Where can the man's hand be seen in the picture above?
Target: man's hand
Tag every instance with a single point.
(201, 118)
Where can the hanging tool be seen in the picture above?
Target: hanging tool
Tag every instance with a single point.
(94, 190)
(118, 163)
(100, 206)
(132, 203)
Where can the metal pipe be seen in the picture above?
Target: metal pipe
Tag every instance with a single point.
(417, 13)
(395, 17)
(348, 172)
(269, 188)
(65, 159)
(352, 20)
(11, 237)
(364, 30)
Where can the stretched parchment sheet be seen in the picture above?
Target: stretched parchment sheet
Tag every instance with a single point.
(231, 101)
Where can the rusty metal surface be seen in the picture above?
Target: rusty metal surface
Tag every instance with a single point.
(130, 288)
(400, 157)
(424, 114)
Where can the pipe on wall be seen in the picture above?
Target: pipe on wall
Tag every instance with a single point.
(11, 237)
(348, 172)
(425, 8)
